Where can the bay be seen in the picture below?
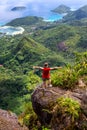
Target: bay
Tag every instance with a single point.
(39, 11)
(45, 13)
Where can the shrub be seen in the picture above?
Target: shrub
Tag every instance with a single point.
(69, 107)
(29, 118)
(66, 78)
(81, 63)
(44, 128)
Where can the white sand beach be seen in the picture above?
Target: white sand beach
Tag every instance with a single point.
(10, 30)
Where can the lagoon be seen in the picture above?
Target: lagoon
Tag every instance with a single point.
(53, 17)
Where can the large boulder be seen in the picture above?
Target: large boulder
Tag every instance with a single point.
(9, 121)
(44, 103)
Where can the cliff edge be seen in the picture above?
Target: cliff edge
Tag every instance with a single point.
(47, 104)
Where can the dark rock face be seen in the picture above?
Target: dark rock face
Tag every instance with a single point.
(9, 121)
(61, 46)
(44, 105)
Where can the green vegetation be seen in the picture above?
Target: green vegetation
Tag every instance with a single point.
(76, 15)
(68, 77)
(15, 90)
(20, 54)
(25, 21)
(29, 118)
(82, 22)
(68, 106)
(44, 128)
(71, 38)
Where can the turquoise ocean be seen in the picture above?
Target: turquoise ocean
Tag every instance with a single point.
(46, 14)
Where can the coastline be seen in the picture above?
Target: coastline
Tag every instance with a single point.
(10, 30)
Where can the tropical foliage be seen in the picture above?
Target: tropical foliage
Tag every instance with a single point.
(68, 77)
(15, 90)
(69, 106)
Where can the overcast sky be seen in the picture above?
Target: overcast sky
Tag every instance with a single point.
(71, 3)
(7, 5)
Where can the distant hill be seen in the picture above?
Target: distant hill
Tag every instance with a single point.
(65, 38)
(62, 9)
(81, 22)
(18, 8)
(25, 21)
(76, 15)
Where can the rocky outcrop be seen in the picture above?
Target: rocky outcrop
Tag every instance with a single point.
(44, 104)
(9, 121)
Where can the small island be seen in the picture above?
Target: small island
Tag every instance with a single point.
(18, 8)
(62, 9)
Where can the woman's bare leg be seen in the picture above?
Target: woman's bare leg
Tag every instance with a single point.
(44, 85)
(49, 81)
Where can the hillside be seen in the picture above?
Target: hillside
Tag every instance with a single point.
(76, 15)
(29, 20)
(63, 38)
(81, 22)
(22, 53)
(53, 34)
(60, 39)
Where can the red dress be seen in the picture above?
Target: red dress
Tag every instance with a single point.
(46, 73)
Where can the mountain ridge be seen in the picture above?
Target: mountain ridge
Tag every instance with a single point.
(76, 15)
